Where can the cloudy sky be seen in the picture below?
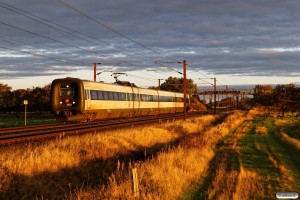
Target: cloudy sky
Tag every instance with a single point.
(236, 41)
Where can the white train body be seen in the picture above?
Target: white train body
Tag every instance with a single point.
(80, 100)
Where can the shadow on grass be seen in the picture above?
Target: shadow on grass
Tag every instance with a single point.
(225, 158)
(89, 174)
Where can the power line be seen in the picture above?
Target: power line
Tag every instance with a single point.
(58, 41)
(11, 8)
(36, 34)
(198, 72)
(157, 62)
(115, 31)
(44, 56)
(40, 20)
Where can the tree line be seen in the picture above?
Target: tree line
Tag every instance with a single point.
(39, 97)
(282, 98)
(13, 100)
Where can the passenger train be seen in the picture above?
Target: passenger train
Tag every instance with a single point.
(76, 100)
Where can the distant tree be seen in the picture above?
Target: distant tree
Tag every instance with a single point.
(13, 101)
(286, 98)
(176, 85)
(4, 91)
(263, 95)
(283, 98)
(153, 87)
(39, 99)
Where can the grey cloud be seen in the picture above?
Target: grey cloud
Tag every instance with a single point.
(221, 37)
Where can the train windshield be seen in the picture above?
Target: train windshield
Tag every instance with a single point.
(66, 91)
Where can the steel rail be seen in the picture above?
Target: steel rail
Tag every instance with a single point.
(68, 129)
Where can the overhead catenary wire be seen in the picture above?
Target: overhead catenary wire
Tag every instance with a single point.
(48, 38)
(18, 43)
(41, 20)
(61, 42)
(87, 40)
(115, 31)
(21, 12)
(44, 56)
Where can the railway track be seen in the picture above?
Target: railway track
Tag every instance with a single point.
(21, 134)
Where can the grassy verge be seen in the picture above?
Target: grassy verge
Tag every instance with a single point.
(290, 126)
(18, 119)
(211, 157)
(168, 158)
(254, 162)
(84, 165)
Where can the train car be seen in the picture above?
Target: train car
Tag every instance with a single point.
(77, 100)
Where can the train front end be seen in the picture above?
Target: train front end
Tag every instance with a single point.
(67, 99)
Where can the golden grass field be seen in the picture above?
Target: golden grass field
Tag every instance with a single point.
(206, 157)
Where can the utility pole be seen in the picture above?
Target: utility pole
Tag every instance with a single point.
(227, 97)
(159, 83)
(184, 88)
(95, 71)
(215, 95)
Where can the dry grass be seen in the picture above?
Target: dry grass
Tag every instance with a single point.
(282, 122)
(33, 167)
(282, 170)
(224, 180)
(261, 130)
(248, 185)
(295, 143)
(168, 156)
(168, 174)
(225, 168)
(69, 152)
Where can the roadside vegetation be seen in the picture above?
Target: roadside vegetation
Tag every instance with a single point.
(231, 156)
(250, 154)
(18, 119)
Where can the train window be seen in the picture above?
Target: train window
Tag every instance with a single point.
(116, 95)
(136, 97)
(100, 95)
(110, 96)
(105, 95)
(151, 98)
(166, 99)
(131, 96)
(94, 95)
(64, 92)
(123, 96)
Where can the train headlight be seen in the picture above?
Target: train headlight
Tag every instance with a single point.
(73, 102)
(60, 102)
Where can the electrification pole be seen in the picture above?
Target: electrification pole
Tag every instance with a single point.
(227, 97)
(184, 88)
(215, 95)
(159, 83)
(95, 71)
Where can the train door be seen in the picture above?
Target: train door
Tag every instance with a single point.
(88, 99)
(135, 101)
(156, 99)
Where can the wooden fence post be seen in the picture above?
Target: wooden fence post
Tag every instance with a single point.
(135, 184)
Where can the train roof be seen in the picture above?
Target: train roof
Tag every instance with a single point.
(92, 82)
